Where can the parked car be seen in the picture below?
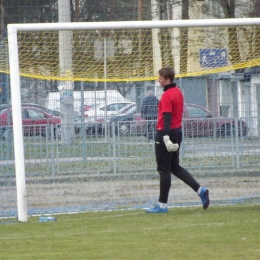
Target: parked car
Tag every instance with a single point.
(58, 113)
(123, 121)
(35, 121)
(95, 116)
(197, 122)
(52, 112)
(110, 109)
(200, 122)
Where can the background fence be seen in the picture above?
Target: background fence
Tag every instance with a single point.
(115, 171)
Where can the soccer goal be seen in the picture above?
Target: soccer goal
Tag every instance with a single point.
(111, 52)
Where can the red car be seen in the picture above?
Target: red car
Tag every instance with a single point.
(35, 121)
(198, 122)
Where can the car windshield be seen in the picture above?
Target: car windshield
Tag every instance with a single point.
(114, 107)
(47, 110)
(127, 110)
(196, 112)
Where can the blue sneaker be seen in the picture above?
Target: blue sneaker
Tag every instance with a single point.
(204, 195)
(157, 209)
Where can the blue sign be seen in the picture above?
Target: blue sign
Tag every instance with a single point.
(213, 58)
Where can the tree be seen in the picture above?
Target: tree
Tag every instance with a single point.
(229, 8)
(2, 15)
(27, 11)
(109, 10)
(184, 41)
(256, 13)
(164, 36)
(252, 34)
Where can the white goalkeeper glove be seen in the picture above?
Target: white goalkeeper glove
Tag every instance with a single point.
(171, 147)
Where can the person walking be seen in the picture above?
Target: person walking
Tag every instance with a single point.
(149, 112)
(168, 140)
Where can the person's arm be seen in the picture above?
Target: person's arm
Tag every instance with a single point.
(171, 147)
(167, 118)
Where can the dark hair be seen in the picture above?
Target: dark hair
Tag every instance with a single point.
(167, 73)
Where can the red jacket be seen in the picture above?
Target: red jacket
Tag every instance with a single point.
(172, 101)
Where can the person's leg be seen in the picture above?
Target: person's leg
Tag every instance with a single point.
(147, 127)
(163, 159)
(150, 129)
(182, 173)
(176, 169)
(153, 128)
(185, 176)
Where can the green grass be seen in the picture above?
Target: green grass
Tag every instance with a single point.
(228, 232)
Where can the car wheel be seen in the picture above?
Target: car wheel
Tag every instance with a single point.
(123, 128)
(77, 130)
(244, 131)
(89, 130)
(57, 132)
(227, 131)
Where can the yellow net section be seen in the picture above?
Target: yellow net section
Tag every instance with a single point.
(134, 55)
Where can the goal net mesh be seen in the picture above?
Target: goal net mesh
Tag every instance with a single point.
(137, 54)
(119, 171)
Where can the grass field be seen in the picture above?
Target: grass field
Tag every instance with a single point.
(226, 232)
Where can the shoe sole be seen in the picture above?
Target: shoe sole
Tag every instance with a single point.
(206, 205)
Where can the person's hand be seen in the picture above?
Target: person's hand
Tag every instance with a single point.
(171, 147)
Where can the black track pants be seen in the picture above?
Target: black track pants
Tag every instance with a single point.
(168, 163)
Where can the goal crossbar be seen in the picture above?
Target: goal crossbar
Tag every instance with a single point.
(135, 24)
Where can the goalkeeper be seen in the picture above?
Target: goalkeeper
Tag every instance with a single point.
(167, 142)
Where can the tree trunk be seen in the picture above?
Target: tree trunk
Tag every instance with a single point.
(184, 38)
(165, 38)
(76, 18)
(2, 15)
(140, 40)
(256, 13)
(228, 7)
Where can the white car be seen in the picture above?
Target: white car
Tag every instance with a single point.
(96, 116)
(103, 111)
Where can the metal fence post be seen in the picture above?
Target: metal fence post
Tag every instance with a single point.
(114, 146)
(52, 151)
(237, 143)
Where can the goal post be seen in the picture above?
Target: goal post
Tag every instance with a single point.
(16, 71)
(17, 124)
